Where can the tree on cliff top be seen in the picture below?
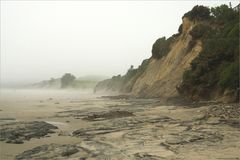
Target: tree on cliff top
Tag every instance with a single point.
(198, 13)
(223, 14)
(67, 79)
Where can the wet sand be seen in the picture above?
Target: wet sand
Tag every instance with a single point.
(89, 127)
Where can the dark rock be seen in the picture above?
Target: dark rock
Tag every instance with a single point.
(7, 119)
(17, 132)
(108, 115)
(191, 137)
(69, 151)
(29, 154)
(230, 111)
(50, 151)
(123, 96)
(232, 122)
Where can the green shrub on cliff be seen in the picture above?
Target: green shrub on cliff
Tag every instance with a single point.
(132, 75)
(199, 31)
(229, 77)
(223, 13)
(217, 66)
(161, 47)
(187, 75)
(198, 13)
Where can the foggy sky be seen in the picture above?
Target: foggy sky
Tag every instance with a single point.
(40, 40)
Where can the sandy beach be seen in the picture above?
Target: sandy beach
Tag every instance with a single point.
(63, 124)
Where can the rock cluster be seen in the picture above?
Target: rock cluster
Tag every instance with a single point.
(42, 152)
(146, 130)
(18, 132)
(228, 114)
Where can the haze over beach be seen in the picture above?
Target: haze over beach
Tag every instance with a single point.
(119, 80)
(40, 40)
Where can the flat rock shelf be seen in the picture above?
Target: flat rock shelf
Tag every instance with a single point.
(126, 129)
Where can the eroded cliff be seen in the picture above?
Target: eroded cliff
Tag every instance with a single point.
(190, 63)
(160, 76)
(163, 75)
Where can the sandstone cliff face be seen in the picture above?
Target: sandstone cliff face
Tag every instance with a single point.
(158, 77)
(162, 76)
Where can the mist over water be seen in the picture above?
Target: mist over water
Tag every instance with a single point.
(45, 94)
